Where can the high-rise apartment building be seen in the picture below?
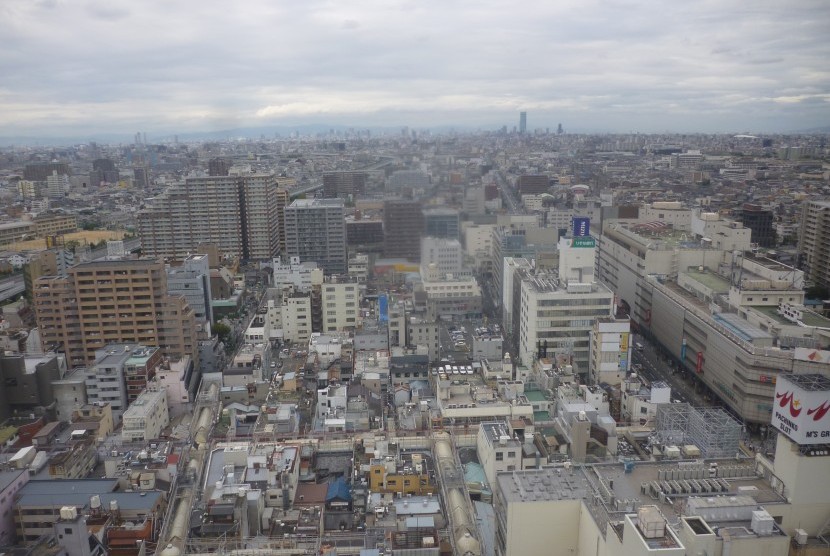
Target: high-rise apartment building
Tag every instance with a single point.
(522, 122)
(532, 184)
(219, 167)
(57, 185)
(814, 242)
(118, 301)
(315, 230)
(103, 171)
(39, 171)
(191, 280)
(239, 214)
(761, 221)
(260, 219)
(283, 200)
(403, 224)
(141, 176)
(343, 184)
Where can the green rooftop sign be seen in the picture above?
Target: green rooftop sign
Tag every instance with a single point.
(583, 242)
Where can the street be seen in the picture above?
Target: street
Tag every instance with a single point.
(654, 367)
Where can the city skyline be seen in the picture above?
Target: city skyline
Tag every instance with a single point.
(117, 67)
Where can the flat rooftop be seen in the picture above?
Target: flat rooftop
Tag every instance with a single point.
(629, 486)
(547, 484)
(714, 282)
(741, 328)
(809, 318)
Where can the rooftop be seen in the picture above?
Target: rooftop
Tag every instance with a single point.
(546, 484)
(714, 282)
(808, 317)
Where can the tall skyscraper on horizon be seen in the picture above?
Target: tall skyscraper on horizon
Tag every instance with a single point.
(522, 122)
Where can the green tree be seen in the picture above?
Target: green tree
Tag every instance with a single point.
(222, 330)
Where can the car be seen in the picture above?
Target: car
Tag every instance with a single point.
(273, 364)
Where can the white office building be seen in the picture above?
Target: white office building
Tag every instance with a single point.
(146, 417)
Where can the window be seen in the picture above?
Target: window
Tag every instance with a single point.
(499, 456)
(511, 454)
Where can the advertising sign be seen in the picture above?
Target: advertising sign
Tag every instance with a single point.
(624, 341)
(699, 362)
(683, 350)
(800, 413)
(383, 308)
(583, 242)
(814, 355)
(581, 226)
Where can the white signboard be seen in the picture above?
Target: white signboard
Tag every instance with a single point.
(803, 415)
(814, 355)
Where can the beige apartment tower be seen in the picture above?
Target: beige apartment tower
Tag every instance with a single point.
(239, 214)
(105, 302)
(814, 242)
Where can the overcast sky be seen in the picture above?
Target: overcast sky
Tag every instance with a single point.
(174, 66)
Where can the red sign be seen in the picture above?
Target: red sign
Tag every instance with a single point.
(700, 362)
(786, 398)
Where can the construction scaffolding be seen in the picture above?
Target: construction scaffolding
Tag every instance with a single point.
(714, 431)
(672, 422)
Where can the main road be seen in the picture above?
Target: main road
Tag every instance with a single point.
(655, 368)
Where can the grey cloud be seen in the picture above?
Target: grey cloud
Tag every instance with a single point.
(201, 63)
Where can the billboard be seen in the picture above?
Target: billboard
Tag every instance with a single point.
(383, 308)
(583, 242)
(624, 341)
(800, 413)
(581, 226)
(813, 355)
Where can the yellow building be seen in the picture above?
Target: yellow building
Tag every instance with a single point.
(409, 477)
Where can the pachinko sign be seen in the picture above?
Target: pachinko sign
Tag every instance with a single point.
(801, 409)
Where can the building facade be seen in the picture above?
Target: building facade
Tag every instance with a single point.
(315, 231)
(104, 302)
(403, 224)
(814, 242)
(239, 214)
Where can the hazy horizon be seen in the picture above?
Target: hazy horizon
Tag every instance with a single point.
(108, 68)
